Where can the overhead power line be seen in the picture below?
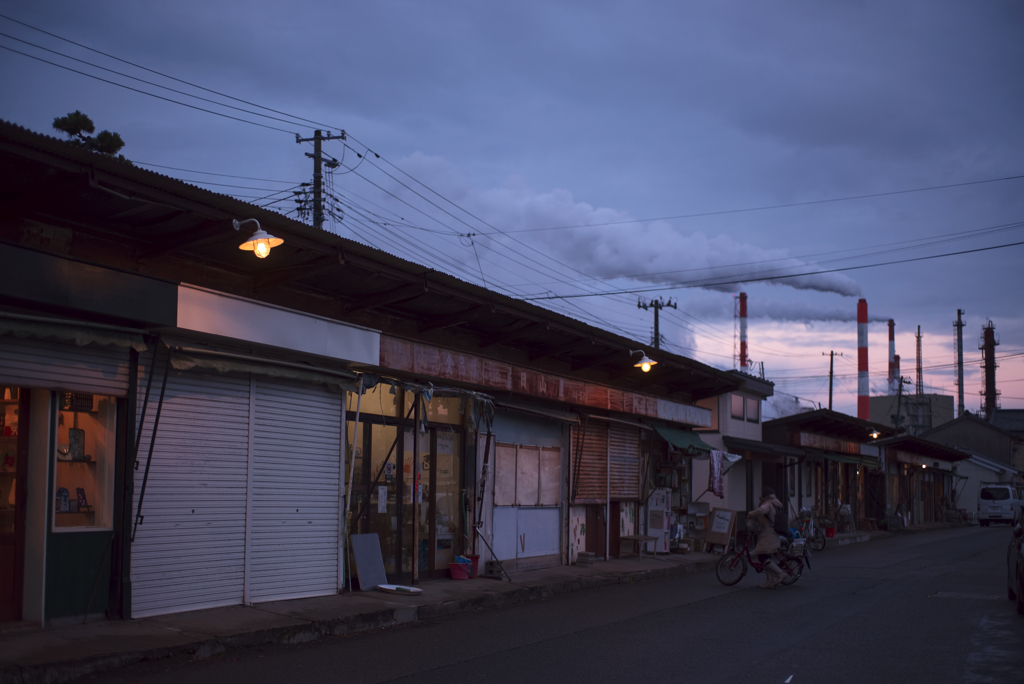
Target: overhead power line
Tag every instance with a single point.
(159, 73)
(210, 173)
(143, 92)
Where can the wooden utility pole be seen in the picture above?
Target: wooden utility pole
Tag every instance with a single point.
(831, 373)
(959, 325)
(318, 177)
(657, 305)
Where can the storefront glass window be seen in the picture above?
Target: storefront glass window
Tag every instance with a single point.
(8, 457)
(379, 401)
(84, 461)
(439, 409)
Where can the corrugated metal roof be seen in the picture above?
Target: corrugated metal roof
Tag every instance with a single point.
(147, 216)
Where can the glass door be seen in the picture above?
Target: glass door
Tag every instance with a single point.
(381, 495)
(443, 494)
(384, 498)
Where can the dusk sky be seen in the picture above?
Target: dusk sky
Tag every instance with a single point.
(614, 150)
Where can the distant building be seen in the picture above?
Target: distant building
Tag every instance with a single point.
(916, 413)
(975, 435)
(1011, 420)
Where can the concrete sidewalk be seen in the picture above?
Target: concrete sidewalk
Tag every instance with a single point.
(62, 653)
(66, 652)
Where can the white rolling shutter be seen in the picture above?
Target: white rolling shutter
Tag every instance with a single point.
(91, 368)
(294, 536)
(189, 552)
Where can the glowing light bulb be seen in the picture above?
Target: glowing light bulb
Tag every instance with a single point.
(261, 241)
(645, 367)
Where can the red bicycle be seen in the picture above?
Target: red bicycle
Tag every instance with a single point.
(791, 557)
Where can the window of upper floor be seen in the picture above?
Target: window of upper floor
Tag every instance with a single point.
(736, 403)
(745, 408)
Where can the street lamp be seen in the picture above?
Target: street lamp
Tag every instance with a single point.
(261, 241)
(644, 363)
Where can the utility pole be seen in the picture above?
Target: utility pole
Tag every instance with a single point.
(831, 371)
(657, 305)
(899, 403)
(920, 365)
(959, 325)
(318, 178)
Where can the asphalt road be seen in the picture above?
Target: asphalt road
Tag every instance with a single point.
(918, 608)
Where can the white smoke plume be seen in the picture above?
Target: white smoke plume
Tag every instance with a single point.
(655, 253)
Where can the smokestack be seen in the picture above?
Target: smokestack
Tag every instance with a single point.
(863, 390)
(893, 373)
(743, 331)
(988, 363)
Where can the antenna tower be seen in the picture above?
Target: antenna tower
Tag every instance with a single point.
(988, 363)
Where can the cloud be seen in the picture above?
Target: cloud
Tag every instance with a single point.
(651, 253)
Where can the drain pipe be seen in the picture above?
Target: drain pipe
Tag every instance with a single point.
(608, 504)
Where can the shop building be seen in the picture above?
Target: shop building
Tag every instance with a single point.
(736, 426)
(974, 434)
(187, 426)
(839, 476)
(922, 479)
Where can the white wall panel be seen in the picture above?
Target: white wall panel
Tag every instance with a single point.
(538, 532)
(505, 528)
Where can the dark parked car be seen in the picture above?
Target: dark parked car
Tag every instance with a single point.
(1015, 568)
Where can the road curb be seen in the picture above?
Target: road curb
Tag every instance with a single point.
(315, 630)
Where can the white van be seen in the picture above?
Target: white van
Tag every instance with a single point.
(999, 502)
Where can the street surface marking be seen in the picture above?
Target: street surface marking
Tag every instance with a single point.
(978, 597)
(788, 679)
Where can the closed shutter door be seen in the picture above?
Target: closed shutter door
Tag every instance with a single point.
(624, 452)
(189, 553)
(591, 478)
(91, 369)
(295, 497)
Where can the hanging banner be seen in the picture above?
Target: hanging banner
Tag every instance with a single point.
(716, 484)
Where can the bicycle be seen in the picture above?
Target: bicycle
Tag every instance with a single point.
(733, 565)
(814, 535)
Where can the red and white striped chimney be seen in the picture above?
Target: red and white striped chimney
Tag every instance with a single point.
(893, 375)
(863, 393)
(743, 331)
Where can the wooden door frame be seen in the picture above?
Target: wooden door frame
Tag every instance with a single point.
(20, 499)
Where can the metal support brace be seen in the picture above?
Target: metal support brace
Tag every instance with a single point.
(152, 440)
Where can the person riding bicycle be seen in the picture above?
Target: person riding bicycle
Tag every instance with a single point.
(761, 521)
